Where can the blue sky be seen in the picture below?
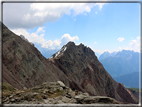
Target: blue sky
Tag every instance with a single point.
(103, 27)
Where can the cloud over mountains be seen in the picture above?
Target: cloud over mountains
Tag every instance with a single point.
(30, 15)
(24, 16)
(38, 37)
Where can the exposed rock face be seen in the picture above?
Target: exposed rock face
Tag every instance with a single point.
(135, 94)
(54, 93)
(23, 65)
(80, 65)
(77, 66)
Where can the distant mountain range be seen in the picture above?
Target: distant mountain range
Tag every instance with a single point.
(129, 80)
(107, 54)
(120, 63)
(75, 65)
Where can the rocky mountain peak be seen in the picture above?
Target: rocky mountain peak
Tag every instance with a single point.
(70, 51)
(70, 43)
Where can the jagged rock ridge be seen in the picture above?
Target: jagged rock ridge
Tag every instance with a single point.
(80, 64)
(77, 66)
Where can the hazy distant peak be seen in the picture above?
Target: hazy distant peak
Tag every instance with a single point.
(123, 53)
(126, 51)
(104, 55)
(106, 52)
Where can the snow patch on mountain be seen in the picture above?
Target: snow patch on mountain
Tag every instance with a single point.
(59, 53)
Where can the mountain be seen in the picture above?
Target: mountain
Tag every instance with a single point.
(23, 65)
(76, 66)
(80, 64)
(107, 54)
(124, 62)
(125, 79)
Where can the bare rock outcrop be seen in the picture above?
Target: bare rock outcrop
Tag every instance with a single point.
(54, 93)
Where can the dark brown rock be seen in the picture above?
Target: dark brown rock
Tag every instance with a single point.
(23, 65)
(135, 94)
(87, 74)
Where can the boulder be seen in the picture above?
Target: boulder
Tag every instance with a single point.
(61, 83)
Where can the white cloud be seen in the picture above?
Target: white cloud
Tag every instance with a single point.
(33, 37)
(37, 37)
(100, 5)
(134, 45)
(85, 14)
(95, 42)
(56, 44)
(66, 38)
(40, 29)
(37, 14)
(120, 39)
(119, 48)
(99, 51)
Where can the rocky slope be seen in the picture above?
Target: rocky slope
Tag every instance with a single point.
(23, 65)
(77, 66)
(135, 94)
(53, 93)
(80, 64)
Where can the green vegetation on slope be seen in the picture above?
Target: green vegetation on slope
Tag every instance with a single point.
(7, 87)
(134, 89)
